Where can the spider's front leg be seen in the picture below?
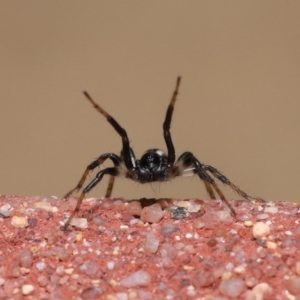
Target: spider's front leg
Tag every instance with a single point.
(112, 178)
(113, 157)
(108, 171)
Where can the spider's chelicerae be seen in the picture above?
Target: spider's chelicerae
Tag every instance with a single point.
(154, 165)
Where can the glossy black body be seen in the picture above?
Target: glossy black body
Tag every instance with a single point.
(154, 165)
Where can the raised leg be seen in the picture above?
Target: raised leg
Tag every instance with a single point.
(109, 171)
(113, 157)
(167, 124)
(120, 130)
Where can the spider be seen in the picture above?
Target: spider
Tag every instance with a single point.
(154, 165)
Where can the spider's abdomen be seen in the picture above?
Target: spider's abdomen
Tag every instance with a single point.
(152, 166)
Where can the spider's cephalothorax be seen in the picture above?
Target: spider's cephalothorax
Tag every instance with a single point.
(153, 166)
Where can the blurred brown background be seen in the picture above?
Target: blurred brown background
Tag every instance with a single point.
(238, 107)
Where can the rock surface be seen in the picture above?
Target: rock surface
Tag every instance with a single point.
(194, 250)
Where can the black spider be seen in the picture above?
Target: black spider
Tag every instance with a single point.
(154, 165)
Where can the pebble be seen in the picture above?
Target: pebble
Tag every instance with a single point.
(189, 206)
(2, 280)
(262, 291)
(298, 268)
(44, 205)
(25, 259)
(241, 269)
(24, 271)
(251, 281)
(203, 279)
(90, 268)
(248, 223)
(271, 210)
(32, 222)
(194, 208)
(189, 235)
(188, 268)
(232, 287)
(110, 297)
(199, 224)
(271, 245)
(79, 222)
(179, 213)
(5, 210)
(262, 216)
(27, 289)
(224, 216)
(60, 270)
(168, 229)
(167, 250)
(151, 243)
(226, 275)
(190, 249)
(91, 293)
(42, 280)
(69, 271)
(191, 292)
(79, 237)
(293, 285)
(122, 296)
(134, 208)
(152, 213)
(260, 230)
(260, 208)
(183, 203)
(138, 278)
(40, 265)
(19, 222)
(144, 295)
(110, 265)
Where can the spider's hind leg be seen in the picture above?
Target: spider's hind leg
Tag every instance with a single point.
(184, 164)
(209, 181)
(187, 163)
(226, 181)
(209, 190)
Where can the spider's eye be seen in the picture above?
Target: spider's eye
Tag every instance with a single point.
(151, 159)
